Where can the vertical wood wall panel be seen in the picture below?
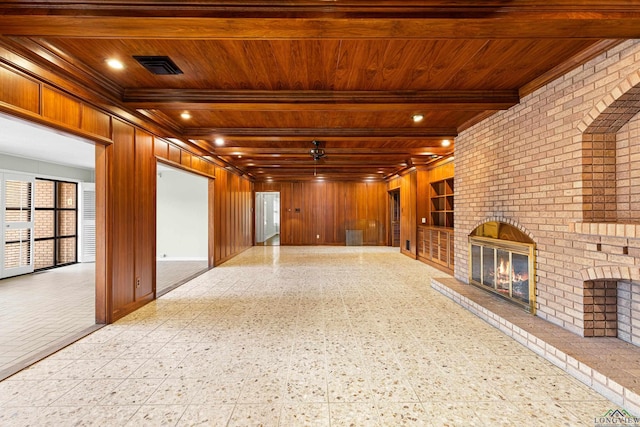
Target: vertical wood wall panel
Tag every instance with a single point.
(123, 226)
(212, 222)
(145, 218)
(233, 230)
(103, 264)
(60, 108)
(96, 122)
(408, 226)
(19, 91)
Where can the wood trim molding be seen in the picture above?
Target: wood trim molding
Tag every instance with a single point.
(183, 167)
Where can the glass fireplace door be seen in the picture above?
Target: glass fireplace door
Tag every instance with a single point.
(503, 267)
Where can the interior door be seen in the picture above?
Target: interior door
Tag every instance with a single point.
(18, 224)
(394, 215)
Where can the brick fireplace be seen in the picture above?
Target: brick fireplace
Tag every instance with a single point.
(563, 167)
(502, 261)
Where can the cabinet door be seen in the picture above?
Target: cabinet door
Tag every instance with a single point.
(420, 242)
(451, 251)
(443, 246)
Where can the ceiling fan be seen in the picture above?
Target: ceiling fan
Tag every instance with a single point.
(317, 153)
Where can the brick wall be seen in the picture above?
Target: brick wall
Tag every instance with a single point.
(629, 311)
(526, 166)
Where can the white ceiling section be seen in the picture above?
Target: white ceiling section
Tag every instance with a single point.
(20, 138)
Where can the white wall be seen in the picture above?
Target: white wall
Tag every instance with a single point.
(182, 215)
(44, 169)
(267, 215)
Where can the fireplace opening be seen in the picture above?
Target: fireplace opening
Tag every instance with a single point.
(502, 261)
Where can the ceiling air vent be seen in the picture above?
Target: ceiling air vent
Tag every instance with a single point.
(160, 65)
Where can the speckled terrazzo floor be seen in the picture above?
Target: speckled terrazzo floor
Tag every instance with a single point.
(288, 336)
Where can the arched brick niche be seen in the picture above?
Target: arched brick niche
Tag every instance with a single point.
(611, 299)
(509, 221)
(603, 198)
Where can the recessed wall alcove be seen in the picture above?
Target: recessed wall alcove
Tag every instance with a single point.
(612, 302)
(610, 147)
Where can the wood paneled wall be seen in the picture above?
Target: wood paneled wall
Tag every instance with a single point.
(415, 202)
(126, 158)
(408, 205)
(233, 216)
(132, 176)
(319, 213)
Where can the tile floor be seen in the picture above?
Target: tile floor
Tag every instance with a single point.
(288, 336)
(170, 274)
(43, 310)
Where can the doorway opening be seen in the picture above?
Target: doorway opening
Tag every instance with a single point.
(394, 216)
(268, 218)
(43, 309)
(182, 224)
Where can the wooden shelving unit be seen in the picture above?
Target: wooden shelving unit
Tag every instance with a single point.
(442, 203)
(435, 236)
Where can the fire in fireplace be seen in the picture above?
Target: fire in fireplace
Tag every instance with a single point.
(502, 261)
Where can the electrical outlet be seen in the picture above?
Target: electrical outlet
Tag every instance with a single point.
(424, 220)
(317, 236)
(137, 282)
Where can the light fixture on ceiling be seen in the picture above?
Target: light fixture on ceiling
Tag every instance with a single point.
(317, 153)
(446, 143)
(417, 118)
(115, 64)
(219, 141)
(185, 115)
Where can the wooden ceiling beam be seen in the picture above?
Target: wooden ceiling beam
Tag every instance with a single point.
(504, 24)
(273, 153)
(289, 100)
(318, 133)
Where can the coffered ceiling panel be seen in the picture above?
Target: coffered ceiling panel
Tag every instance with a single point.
(261, 80)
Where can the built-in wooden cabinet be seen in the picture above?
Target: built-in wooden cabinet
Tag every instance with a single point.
(441, 198)
(435, 211)
(435, 245)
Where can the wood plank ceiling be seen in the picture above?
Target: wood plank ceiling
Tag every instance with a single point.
(269, 77)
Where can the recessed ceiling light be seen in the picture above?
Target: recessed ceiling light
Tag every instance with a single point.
(185, 115)
(219, 141)
(239, 157)
(115, 64)
(417, 118)
(446, 143)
